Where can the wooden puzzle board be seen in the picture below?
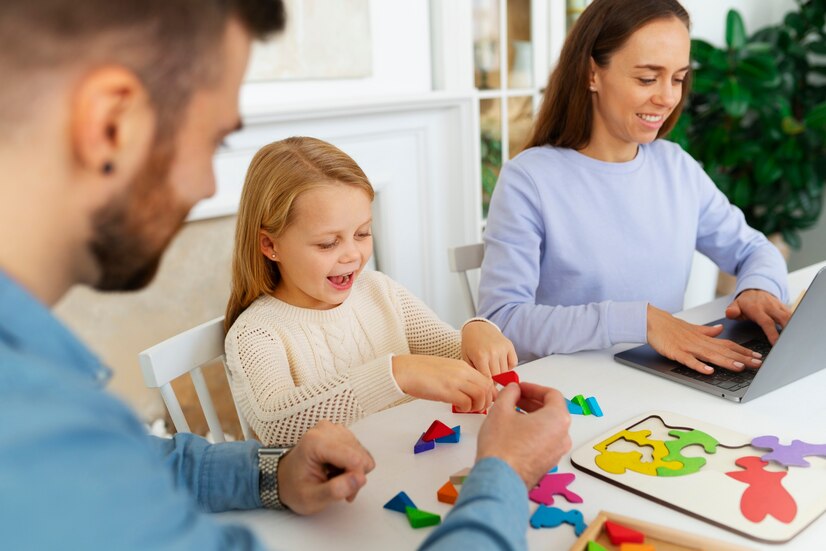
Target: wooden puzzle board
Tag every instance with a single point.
(708, 494)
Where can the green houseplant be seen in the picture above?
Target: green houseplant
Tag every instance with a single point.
(756, 118)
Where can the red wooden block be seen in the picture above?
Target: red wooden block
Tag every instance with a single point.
(447, 493)
(437, 430)
(620, 534)
(483, 412)
(506, 377)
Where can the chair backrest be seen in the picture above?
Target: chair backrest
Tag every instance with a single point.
(464, 258)
(185, 353)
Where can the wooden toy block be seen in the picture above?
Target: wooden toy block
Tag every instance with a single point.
(483, 412)
(459, 477)
(636, 547)
(788, 455)
(594, 546)
(551, 517)
(420, 519)
(400, 503)
(551, 485)
(615, 462)
(675, 447)
(619, 534)
(593, 405)
(451, 438)
(765, 495)
(422, 446)
(447, 493)
(436, 430)
(573, 408)
(506, 377)
(554, 470)
(579, 400)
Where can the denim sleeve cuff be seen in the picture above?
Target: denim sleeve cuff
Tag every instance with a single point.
(492, 477)
(230, 476)
(627, 322)
(763, 283)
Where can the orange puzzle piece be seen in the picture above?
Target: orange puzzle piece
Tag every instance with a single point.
(447, 493)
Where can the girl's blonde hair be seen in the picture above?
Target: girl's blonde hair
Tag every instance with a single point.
(278, 174)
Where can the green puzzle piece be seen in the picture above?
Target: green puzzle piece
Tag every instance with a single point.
(580, 400)
(675, 447)
(420, 519)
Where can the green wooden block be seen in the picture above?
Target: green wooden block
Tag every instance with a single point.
(580, 400)
(420, 519)
(594, 546)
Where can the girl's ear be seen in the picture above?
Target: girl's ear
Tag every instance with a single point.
(267, 246)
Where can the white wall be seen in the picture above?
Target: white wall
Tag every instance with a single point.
(401, 64)
(709, 17)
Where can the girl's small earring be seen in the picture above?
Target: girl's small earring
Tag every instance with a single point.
(273, 257)
(593, 88)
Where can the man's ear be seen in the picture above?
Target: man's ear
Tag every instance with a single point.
(267, 246)
(112, 123)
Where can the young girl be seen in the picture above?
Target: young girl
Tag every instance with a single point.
(312, 336)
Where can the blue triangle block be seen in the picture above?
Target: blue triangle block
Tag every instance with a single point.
(422, 446)
(573, 408)
(594, 405)
(451, 438)
(400, 503)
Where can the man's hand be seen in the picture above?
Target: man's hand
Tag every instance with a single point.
(303, 483)
(694, 345)
(762, 308)
(487, 349)
(531, 444)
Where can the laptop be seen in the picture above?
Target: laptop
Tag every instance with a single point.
(800, 351)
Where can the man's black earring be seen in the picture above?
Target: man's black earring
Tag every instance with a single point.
(108, 167)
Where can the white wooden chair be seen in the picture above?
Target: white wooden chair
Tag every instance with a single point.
(186, 353)
(464, 258)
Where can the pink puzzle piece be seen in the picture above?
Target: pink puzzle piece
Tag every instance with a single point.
(554, 484)
(765, 495)
(788, 454)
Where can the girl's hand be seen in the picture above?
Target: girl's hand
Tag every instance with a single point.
(694, 345)
(487, 349)
(443, 380)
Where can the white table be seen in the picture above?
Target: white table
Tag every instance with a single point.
(798, 409)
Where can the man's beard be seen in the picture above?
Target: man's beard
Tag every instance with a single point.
(132, 232)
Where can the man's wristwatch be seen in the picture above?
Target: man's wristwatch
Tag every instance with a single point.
(268, 459)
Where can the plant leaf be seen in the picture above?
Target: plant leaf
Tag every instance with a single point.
(735, 30)
(816, 117)
(735, 98)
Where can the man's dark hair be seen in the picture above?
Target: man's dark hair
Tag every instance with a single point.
(171, 45)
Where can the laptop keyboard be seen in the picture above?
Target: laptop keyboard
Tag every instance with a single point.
(730, 380)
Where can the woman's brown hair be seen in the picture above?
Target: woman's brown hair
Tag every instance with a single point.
(278, 174)
(566, 117)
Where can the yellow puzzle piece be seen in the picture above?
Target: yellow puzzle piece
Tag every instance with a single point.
(618, 462)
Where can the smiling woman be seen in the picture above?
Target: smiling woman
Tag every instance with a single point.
(592, 229)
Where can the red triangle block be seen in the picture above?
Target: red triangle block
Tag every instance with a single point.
(437, 430)
(620, 534)
(506, 377)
